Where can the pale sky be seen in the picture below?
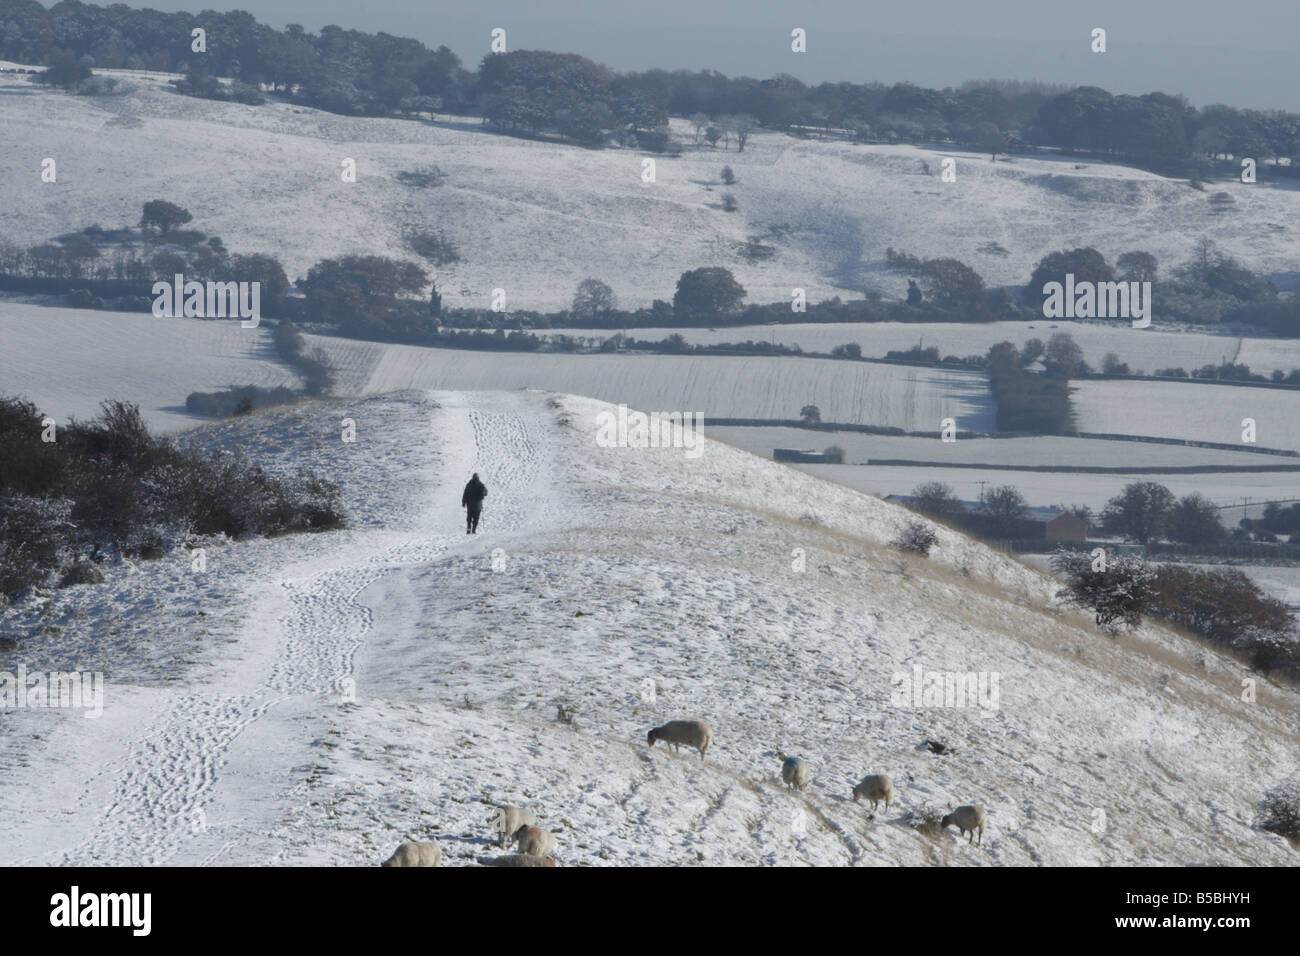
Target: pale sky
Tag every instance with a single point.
(1244, 54)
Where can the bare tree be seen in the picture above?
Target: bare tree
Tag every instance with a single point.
(700, 123)
(741, 126)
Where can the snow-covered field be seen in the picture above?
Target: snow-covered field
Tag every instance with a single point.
(1045, 488)
(716, 386)
(1052, 451)
(536, 218)
(1281, 582)
(1148, 349)
(69, 360)
(1183, 410)
(318, 699)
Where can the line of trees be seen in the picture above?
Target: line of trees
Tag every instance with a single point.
(1144, 511)
(158, 251)
(1147, 511)
(533, 92)
(1275, 521)
(1000, 513)
(1210, 287)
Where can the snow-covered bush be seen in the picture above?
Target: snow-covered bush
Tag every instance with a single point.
(1279, 811)
(108, 486)
(1117, 590)
(33, 535)
(83, 572)
(917, 537)
(1270, 650)
(1227, 607)
(225, 493)
(237, 400)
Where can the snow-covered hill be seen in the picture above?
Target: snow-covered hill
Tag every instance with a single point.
(536, 218)
(317, 699)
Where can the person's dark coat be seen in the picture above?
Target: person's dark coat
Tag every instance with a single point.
(474, 494)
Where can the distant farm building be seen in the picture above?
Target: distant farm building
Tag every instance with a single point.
(1037, 524)
(1066, 527)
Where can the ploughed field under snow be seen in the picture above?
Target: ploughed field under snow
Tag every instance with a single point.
(1148, 349)
(1042, 451)
(1188, 410)
(766, 387)
(536, 218)
(319, 699)
(715, 386)
(1062, 483)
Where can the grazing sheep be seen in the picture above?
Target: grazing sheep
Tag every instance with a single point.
(517, 859)
(968, 819)
(534, 841)
(508, 820)
(796, 773)
(875, 787)
(415, 854)
(691, 733)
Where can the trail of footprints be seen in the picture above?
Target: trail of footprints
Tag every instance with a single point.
(169, 773)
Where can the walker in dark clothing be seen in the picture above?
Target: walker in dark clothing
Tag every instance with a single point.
(472, 502)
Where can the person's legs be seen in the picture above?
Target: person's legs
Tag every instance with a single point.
(473, 521)
(469, 521)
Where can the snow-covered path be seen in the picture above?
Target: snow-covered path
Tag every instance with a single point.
(299, 645)
(319, 699)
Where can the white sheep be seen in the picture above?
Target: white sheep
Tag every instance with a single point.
(534, 841)
(875, 787)
(690, 733)
(509, 819)
(968, 819)
(517, 859)
(415, 854)
(796, 773)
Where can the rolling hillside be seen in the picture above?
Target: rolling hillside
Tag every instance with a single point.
(536, 218)
(317, 699)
